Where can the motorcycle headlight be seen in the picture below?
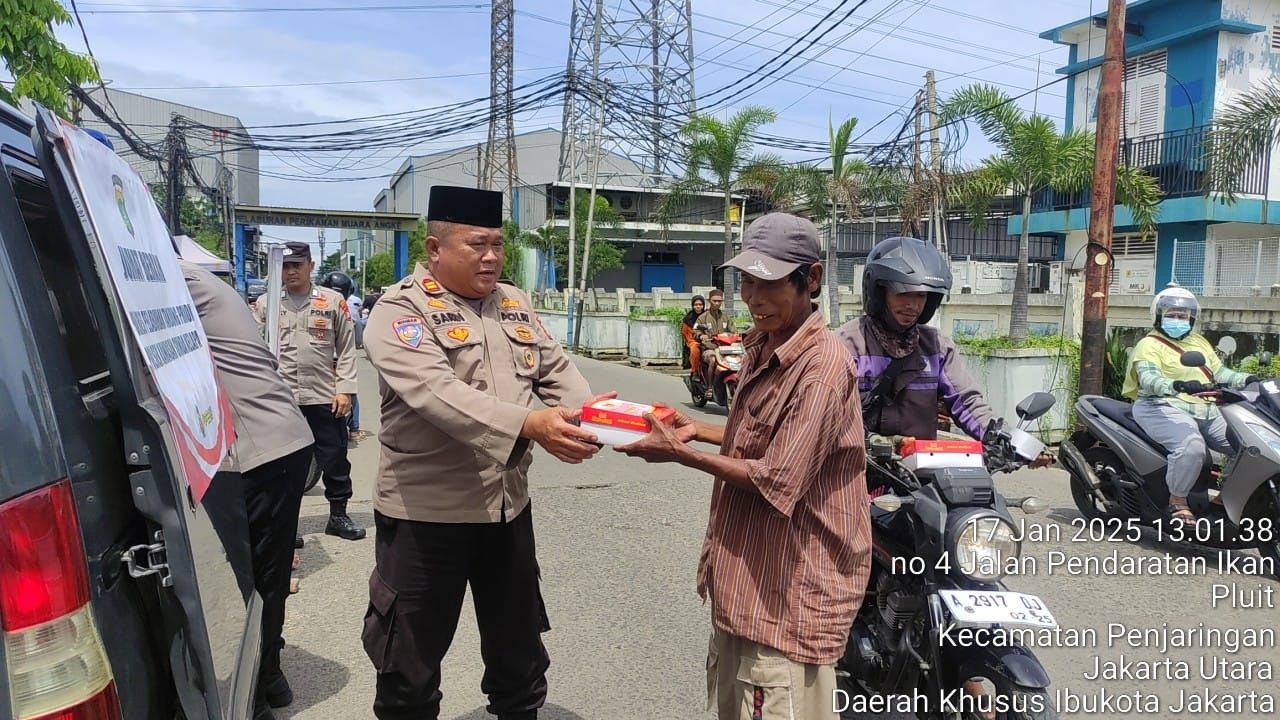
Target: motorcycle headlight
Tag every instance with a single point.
(733, 362)
(982, 545)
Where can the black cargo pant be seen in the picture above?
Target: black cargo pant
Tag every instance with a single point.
(331, 436)
(415, 596)
(273, 496)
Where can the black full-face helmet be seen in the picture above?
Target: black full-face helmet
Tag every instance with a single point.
(903, 264)
(341, 282)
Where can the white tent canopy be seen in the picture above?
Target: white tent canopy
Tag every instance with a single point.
(192, 251)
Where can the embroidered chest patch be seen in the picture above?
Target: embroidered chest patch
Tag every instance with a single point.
(460, 333)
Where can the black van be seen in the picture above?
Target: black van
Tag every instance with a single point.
(119, 597)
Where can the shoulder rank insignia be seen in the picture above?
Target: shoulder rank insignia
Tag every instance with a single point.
(409, 330)
(438, 304)
(460, 333)
(431, 286)
(508, 303)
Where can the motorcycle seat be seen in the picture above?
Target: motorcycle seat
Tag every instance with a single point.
(1122, 414)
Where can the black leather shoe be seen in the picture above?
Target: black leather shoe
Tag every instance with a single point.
(278, 692)
(344, 527)
(297, 541)
(263, 713)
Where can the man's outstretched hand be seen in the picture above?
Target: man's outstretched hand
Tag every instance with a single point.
(553, 429)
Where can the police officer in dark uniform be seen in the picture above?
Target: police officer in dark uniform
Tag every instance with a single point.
(461, 359)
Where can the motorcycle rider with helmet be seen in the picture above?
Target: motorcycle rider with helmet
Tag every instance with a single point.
(905, 367)
(1167, 394)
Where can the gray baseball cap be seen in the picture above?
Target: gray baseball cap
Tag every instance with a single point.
(776, 244)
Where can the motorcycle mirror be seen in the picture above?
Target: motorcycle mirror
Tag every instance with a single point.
(1033, 505)
(1192, 358)
(1264, 360)
(1227, 345)
(1035, 405)
(890, 502)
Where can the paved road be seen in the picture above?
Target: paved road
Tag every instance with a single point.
(618, 541)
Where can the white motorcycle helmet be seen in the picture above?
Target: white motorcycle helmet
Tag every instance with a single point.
(1171, 298)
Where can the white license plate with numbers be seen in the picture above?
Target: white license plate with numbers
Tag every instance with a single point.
(1009, 609)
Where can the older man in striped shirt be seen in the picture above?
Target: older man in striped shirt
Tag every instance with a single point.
(788, 544)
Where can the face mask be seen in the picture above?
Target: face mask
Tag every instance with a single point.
(1175, 328)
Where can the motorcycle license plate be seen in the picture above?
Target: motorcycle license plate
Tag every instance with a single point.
(1008, 609)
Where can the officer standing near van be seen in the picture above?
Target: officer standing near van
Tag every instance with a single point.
(272, 452)
(318, 363)
(461, 359)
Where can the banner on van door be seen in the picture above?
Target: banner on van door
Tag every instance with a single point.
(152, 293)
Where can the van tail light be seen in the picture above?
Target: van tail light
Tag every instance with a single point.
(56, 665)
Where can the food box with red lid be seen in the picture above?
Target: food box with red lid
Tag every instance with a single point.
(618, 422)
(920, 454)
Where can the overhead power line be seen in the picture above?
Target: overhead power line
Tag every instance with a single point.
(201, 10)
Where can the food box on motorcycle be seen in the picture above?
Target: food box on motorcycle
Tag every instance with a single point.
(920, 454)
(618, 422)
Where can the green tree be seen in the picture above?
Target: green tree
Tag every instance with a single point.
(1243, 133)
(1034, 157)
(42, 68)
(379, 271)
(718, 157)
(197, 218)
(838, 194)
(512, 251)
(605, 254)
(331, 263)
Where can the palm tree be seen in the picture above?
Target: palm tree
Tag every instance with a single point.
(840, 193)
(1241, 135)
(717, 158)
(1034, 157)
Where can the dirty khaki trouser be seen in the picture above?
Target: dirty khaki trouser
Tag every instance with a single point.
(750, 681)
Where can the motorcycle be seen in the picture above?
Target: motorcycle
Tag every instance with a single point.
(935, 625)
(1117, 474)
(723, 383)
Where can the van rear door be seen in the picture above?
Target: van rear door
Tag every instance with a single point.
(194, 548)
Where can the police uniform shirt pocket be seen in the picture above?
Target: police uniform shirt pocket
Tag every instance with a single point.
(319, 324)
(524, 343)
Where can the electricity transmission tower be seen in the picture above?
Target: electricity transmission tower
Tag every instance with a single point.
(642, 51)
(499, 172)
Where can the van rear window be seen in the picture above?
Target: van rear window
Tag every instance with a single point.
(66, 292)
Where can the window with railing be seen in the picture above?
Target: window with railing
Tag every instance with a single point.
(1178, 161)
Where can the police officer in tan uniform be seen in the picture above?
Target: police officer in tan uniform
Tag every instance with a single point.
(318, 363)
(272, 452)
(461, 359)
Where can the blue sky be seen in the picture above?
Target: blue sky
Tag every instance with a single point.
(870, 74)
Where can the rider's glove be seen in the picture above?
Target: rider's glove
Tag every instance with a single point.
(1190, 387)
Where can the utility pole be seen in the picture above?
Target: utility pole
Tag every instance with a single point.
(1097, 279)
(591, 218)
(173, 177)
(573, 230)
(320, 232)
(916, 169)
(939, 224)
